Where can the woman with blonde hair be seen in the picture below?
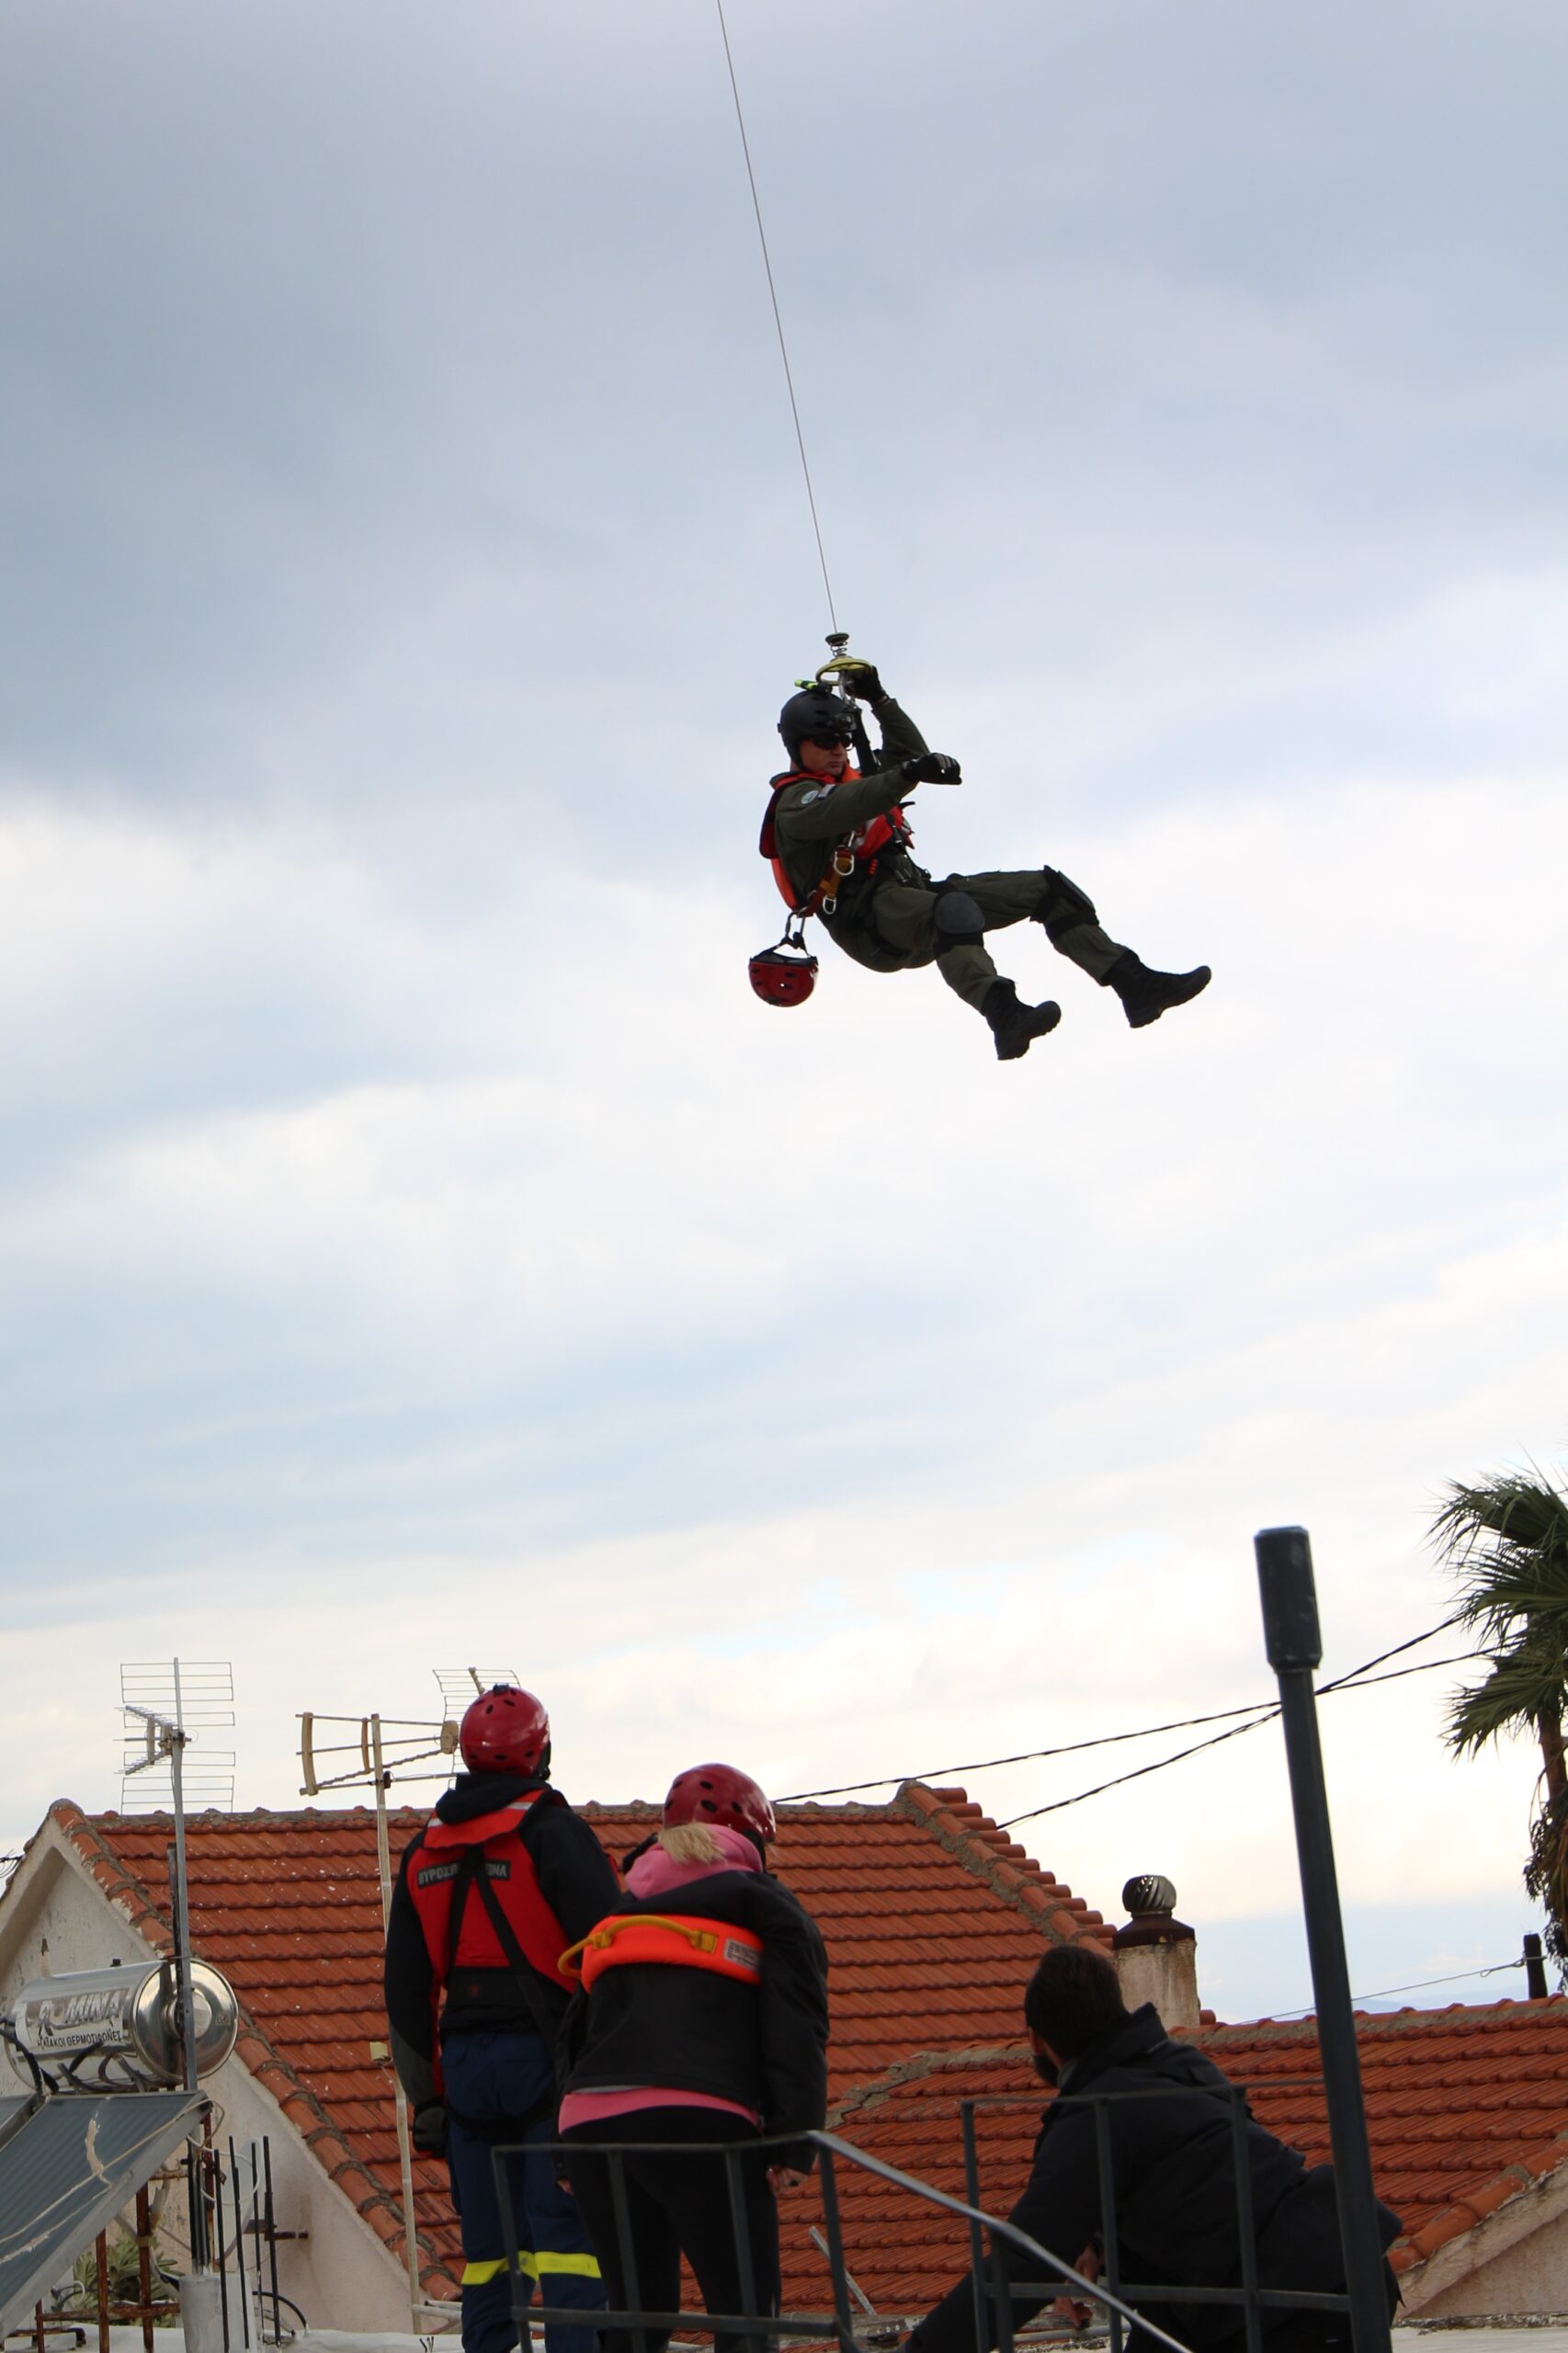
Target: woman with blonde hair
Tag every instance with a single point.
(701, 2019)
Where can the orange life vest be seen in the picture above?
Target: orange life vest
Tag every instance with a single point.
(855, 853)
(679, 1939)
(508, 1867)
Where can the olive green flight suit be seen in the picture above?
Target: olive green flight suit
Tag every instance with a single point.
(888, 919)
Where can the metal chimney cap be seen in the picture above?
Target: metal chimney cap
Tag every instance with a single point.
(1150, 1892)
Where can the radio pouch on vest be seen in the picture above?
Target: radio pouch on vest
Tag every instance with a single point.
(472, 1874)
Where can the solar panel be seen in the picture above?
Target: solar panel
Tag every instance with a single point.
(68, 2163)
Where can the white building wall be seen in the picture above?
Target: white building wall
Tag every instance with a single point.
(51, 1898)
(340, 2274)
(1515, 2261)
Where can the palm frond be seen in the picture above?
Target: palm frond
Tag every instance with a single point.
(1521, 1690)
(1506, 1540)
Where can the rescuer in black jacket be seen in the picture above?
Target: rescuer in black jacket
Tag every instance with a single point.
(490, 1893)
(1173, 2173)
(702, 2019)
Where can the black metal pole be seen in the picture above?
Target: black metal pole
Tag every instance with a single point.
(971, 2195)
(1294, 1647)
(827, 2183)
(1110, 2236)
(1246, 2229)
(240, 2244)
(1535, 1969)
(271, 2239)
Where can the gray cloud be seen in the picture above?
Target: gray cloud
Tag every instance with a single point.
(399, 1194)
(395, 418)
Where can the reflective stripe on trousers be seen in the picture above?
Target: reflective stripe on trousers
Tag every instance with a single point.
(490, 2078)
(537, 2266)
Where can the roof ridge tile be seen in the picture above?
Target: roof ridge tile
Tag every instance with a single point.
(970, 1835)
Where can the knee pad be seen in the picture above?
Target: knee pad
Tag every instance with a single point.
(958, 920)
(1062, 906)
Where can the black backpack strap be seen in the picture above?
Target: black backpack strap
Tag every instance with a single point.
(473, 1874)
(546, 2020)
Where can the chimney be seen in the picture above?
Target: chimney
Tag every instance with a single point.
(1156, 1954)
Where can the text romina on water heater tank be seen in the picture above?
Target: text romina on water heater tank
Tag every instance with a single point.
(118, 2029)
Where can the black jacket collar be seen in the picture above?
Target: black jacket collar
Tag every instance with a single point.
(475, 1794)
(1123, 2046)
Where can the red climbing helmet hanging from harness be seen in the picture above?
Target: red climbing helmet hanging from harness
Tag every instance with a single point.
(785, 973)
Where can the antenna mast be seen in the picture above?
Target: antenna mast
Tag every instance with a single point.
(160, 1706)
(387, 1750)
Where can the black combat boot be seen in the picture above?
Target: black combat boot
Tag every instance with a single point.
(1145, 994)
(1014, 1024)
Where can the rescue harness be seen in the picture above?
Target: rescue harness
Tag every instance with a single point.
(485, 1856)
(685, 1940)
(857, 853)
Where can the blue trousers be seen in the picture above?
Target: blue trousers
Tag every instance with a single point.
(490, 2081)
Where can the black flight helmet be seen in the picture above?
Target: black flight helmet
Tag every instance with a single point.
(815, 716)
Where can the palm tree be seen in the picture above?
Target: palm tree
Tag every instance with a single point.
(1506, 1540)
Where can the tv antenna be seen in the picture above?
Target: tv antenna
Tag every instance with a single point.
(380, 1753)
(164, 1707)
(197, 1698)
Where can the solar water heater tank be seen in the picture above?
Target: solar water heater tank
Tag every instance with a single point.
(118, 2029)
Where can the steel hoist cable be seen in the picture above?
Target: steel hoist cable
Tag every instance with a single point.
(777, 314)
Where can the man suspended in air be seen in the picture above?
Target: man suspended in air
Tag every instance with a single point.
(840, 846)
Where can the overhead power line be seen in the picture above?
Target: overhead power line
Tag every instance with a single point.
(1415, 1642)
(1025, 1757)
(1459, 1977)
(1138, 1772)
(1355, 1679)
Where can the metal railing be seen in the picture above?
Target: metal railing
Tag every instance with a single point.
(996, 2291)
(1245, 2291)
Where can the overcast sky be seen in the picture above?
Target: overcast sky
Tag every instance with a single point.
(417, 1244)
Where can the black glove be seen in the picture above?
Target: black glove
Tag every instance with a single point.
(856, 677)
(933, 767)
(427, 2128)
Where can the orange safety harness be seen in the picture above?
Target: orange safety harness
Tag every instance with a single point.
(855, 852)
(685, 1940)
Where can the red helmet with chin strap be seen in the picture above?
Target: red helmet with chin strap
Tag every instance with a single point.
(719, 1795)
(503, 1731)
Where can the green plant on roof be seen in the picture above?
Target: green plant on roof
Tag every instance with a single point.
(124, 2275)
(1507, 1542)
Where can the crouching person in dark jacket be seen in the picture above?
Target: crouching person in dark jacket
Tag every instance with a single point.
(702, 2018)
(1173, 2173)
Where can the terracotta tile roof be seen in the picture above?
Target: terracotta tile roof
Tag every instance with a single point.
(932, 1916)
(1466, 2106)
